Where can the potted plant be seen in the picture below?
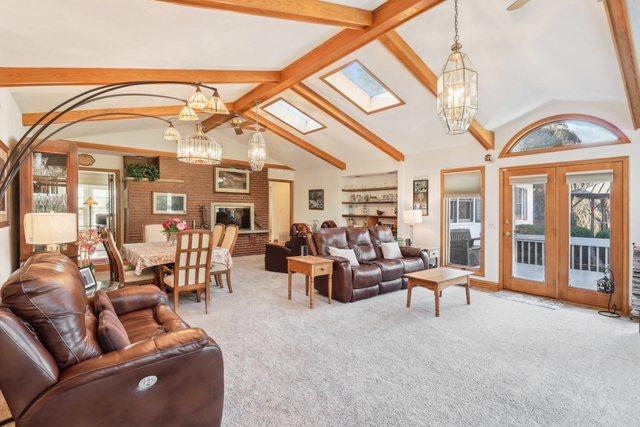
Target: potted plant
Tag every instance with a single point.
(172, 226)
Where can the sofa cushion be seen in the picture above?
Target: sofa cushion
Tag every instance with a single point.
(334, 237)
(412, 264)
(366, 275)
(391, 250)
(390, 269)
(47, 293)
(151, 322)
(360, 241)
(348, 254)
(102, 302)
(113, 336)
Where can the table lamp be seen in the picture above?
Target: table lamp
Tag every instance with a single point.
(50, 229)
(91, 203)
(411, 217)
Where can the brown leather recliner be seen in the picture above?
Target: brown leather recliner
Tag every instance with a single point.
(275, 257)
(329, 224)
(375, 275)
(56, 373)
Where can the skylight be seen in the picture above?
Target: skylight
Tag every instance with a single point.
(360, 86)
(295, 118)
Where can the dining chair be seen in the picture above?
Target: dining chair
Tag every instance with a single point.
(153, 233)
(228, 242)
(218, 232)
(191, 271)
(122, 272)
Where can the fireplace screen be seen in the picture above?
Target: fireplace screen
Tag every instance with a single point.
(238, 215)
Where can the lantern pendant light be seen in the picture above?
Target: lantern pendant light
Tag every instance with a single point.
(199, 149)
(197, 101)
(187, 114)
(457, 89)
(171, 133)
(257, 148)
(215, 105)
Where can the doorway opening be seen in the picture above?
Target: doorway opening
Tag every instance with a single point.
(562, 226)
(280, 210)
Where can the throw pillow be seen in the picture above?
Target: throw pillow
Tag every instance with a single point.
(349, 254)
(101, 302)
(111, 333)
(391, 250)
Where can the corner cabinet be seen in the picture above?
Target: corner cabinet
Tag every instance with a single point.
(49, 183)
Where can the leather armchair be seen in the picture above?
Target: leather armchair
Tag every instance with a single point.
(329, 224)
(55, 372)
(275, 257)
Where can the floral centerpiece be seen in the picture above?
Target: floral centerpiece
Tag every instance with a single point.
(87, 242)
(172, 227)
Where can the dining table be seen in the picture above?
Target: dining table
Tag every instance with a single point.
(157, 254)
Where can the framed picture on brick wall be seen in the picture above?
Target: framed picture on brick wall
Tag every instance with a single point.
(4, 202)
(228, 180)
(169, 203)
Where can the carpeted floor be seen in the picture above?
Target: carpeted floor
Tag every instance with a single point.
(374, 362)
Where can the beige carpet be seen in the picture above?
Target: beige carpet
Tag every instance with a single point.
(374, 362)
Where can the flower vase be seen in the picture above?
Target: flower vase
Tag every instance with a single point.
(172, 238)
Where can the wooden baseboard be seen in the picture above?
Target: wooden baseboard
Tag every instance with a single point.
(484, 284)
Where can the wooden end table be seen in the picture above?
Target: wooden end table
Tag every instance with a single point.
(438, 279)
(311, 267)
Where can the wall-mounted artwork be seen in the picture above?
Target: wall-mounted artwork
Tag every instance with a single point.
(316, 200)
(229, 180)
(421, 195)
(169, 203)
(4, 202)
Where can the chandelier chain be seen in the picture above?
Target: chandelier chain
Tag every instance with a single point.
(456, 39)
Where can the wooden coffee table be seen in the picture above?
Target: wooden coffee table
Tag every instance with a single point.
(311, 267)
(438, 279)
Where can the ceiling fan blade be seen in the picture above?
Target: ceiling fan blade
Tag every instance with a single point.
(517, 5)
(238, 130)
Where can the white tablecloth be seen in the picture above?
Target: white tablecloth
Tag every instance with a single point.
(145, 255)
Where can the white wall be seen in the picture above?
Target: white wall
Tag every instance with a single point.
(428, 164)
(11, 130)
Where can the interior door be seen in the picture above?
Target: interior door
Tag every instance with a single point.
(590, 231)
(529, 231)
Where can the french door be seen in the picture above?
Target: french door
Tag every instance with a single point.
(563, 229)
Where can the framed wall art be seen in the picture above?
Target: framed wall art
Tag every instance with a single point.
(228, 180)
(169, 203)
(316, 200)
(421, 195)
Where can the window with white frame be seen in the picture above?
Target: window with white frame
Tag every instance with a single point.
(520, 203)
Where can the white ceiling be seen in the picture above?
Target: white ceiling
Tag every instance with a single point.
(544, 52)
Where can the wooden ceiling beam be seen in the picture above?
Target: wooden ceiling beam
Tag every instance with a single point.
(385, 18)
(269, 125)
(25, 76)
(314, 11)
(622, 39)
(333, 111)
(134, 151)
(421, 71)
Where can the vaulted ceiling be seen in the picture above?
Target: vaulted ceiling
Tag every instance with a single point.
(544, 52)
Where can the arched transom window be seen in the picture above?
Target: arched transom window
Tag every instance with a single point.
(563, 132)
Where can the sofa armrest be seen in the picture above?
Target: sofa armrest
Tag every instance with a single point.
(187, 361)
(342, 279)
(471, 241)
(135, 298)
(410, 251)
(272, 249)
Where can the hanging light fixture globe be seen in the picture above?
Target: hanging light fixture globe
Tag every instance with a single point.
(199, 149)
(257, 148)
(457, 88)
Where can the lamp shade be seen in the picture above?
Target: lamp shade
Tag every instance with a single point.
(90, 201)
(412, 216)
(50, 228)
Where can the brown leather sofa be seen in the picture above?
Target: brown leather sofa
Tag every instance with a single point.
(375, 275)
(275, 256)
(56, 373)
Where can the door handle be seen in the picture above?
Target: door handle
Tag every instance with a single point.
(507, 233)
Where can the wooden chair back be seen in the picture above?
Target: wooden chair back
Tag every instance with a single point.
(116, 264)
(193, 258)
(153, 233)
(218, 232)
(230, 237)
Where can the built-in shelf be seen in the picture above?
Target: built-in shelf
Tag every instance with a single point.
(370, 203)
(370, 216)
(354, 190)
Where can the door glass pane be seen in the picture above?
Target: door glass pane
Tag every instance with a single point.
(590, 233)
(528, 231)
(465, 230)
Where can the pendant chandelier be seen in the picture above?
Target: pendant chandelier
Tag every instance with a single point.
(457, 88)
(199, 149)
(171, 133)
(257, 148)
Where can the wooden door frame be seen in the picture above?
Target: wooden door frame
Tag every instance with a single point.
(291, 184)
(443, 238)
(625, 215)
(116, 172)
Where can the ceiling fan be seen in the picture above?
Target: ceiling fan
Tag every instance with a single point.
(517, 5)
(238, 122)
